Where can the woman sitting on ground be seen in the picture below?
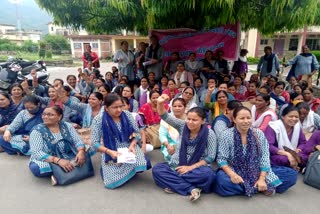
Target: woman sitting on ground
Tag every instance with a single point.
(141, 93)
(310, 99)
(222, 122)
(309, 120)
(118, 129)
(127, 92)
(55, 99)
(243, 159)
(168, 135)
(277, 95)
(54, 133)
(189, 95)
(261, 113)
(151, 118)
(87, 110)
(313, 144)
(285, 138)
(172, 89)
(220, 106)
(182, 75)
(189, 171)
(17, 93)
(144, 146)
(15, 139)
(8, 111)
(104, 90)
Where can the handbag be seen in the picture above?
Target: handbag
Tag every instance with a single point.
(312, 173)
(152, 134)
(78, 173)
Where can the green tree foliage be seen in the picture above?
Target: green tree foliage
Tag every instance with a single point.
(29, 46)
(57, 43)
(49, 54)
(42, 50)
(101, 16)
(7, 45)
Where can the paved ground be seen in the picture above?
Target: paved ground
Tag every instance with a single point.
(20, 192)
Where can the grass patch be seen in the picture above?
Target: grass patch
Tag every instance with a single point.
(34, 57)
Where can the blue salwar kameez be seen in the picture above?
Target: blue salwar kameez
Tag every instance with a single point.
(41, 136)
(113, 174)
(279, 179)
(166, 176)
(21, 126)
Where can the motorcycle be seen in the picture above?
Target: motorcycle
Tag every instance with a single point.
(26, 65)
(14, 73)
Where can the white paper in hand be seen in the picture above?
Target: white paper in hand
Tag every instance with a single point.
(126, 156)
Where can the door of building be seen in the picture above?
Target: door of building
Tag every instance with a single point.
(279, 47)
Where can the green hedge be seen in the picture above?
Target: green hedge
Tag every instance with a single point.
(317, 54)
(253, 60)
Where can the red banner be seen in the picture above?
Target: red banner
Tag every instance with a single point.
(186, 41)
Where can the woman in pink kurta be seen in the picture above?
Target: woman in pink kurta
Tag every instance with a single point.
(171, 90)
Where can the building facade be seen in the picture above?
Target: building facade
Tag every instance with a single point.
(104, 45)
(64, 31)
(11, 33)
(284, 44)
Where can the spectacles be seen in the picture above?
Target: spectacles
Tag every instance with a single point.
(116, 107)
(48, 114)
(188, 93)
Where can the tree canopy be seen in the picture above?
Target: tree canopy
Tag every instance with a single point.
(104, 16)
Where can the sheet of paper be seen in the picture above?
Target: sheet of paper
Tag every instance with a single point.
(126, 156)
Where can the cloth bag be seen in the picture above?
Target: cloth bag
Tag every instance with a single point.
(85, 134)
(78, 173)
(312, 174)
(152, 134)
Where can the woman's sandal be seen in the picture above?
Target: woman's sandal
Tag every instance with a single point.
(195, 194)
(269, 192)
(168, 190)
(54, 181)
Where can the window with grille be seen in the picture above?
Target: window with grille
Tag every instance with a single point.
(293, 45)
(263, 42)
(313, 44)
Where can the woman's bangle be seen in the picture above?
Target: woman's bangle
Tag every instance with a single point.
(58, 160)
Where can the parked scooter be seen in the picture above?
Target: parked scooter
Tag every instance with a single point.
(14, 73)
(26, 65)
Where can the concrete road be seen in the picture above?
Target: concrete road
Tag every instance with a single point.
(63, 72)
(21, 193)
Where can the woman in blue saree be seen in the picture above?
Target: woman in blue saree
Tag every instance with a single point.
(15, 139)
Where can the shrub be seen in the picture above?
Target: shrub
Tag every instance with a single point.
(57, 43)
(317, 54)
(49, 54)
(29, 46)
(253, 60)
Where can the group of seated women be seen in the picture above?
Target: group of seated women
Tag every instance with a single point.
(242, 152)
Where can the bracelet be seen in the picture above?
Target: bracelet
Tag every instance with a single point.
(58, 160)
